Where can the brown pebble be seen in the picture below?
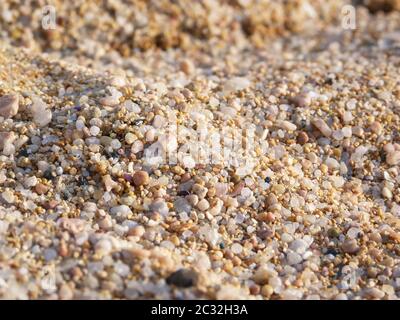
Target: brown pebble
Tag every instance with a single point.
(185, 177)
(254, 289)
(271, 199)
(270, 217)
(376, 127)
(136, 231)
(236, 261)
(50, 204)
(63, 249)
(155, 216)
(237, 189)
(187, 66)
(372, 272)
(266, 216)
(375, 253)
(350, 246)
(141, 178)
(40, 188)
(302, 138)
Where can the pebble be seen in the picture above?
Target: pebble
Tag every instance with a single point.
(160, 206)
(292, 294)
(50, 254)
(65, 292)
(299, 245)
(302, 100)
(109, 183)
(158, 121)
(121, 210)
(286, 125)
(103, 247)
(7, 143)
(376, 127)
(374, 293)
(386, 193)
(9, 105)
(192, 199)
(236, 84)
(347, 132)
(322, 127)
(376, 237)
(187, 66)
(51, 204)
(347, 117)
(182, 205)
(40, 188)
(115, 144)
(141, 178)
(254, 290)
(333, 232)
(350, 246)
(118, 81)
(236, 248)
(203, 205)
(137, 231)
(359, 153)
(130, 138)
(41, 115)
(106, 223)
(199, 190)
(293, 258)
(8, 196)
(393, 158)
(262, 275)
(183, 278)
(313, 206)
(94, 131)
(110, 101)
(267, 291)
(302, 138)
(265, 233)
(272, 199)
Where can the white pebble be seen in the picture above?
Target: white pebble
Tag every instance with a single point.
(103, 247)
(236, 84)
(286, 125)
(332, 163)
(299, 246)
(347, 132)
(236, 248)
(203, 205)
(115, 144)
(41, 115)
(8, 196)
(94, 130)
(122, 210)
(30, 182)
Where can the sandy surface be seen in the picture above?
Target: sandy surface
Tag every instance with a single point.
(223, 150)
